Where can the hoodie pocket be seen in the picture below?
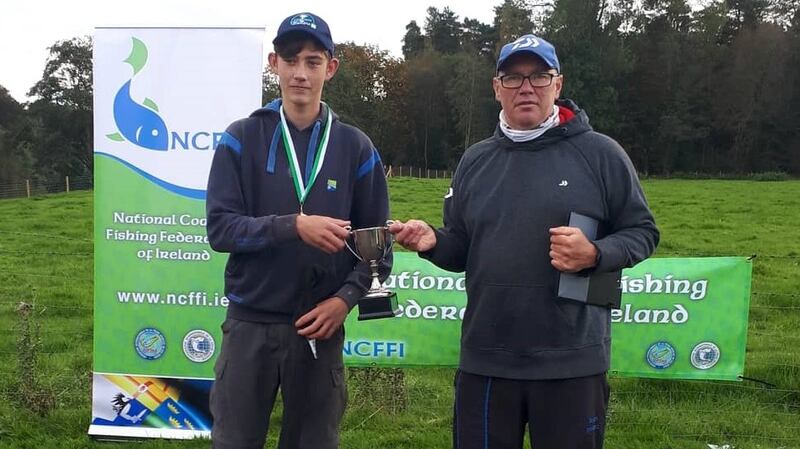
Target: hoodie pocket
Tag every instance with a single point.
(516, 318)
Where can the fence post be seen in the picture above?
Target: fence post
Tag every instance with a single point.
(28, 187)
(67, 184)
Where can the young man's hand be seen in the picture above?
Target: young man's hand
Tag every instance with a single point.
(323, 320)
(324, 233)
(570, 250)
(415, 235)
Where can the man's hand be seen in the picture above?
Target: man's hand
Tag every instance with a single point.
(323, 320)
(570, 250)
(325, 233)
(415, 235)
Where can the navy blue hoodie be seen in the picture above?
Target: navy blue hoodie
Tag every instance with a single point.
(505, 197)
(272, 275)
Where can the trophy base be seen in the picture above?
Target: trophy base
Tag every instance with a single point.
(378, 305)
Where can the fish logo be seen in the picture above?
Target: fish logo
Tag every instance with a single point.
(138, 123)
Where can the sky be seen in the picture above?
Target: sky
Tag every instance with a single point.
(29, 27)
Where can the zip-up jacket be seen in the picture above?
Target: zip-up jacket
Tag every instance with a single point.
(252, 207)
(505, 197)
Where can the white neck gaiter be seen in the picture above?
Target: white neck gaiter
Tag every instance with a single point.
(517, 135)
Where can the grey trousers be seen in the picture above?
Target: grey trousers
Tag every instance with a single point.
(256, 359)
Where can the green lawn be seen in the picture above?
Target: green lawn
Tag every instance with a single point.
(46, 258)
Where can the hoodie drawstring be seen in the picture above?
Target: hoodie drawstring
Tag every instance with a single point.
(273, 148)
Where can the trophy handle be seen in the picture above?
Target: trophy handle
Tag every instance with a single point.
(391, 238)
(350, 230)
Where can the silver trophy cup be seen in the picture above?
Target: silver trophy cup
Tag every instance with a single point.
(372, 245)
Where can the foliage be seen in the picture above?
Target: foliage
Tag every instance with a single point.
(711, 87)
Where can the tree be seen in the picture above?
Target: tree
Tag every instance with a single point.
(10, 110)
(270, 87)
(443, 30)
(370, 92)
(591, 71)
(429, 111)
(413, 41)
(742, 14)
(14, 152)
(62, 113)
(67, 78)
(357, 87)
(474, 107)
(754, 119)
(512, 19)
(478, 38)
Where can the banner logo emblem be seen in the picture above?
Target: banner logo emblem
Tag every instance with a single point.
(198, 346)
(705, 355)
(150, 343)
(661, 355)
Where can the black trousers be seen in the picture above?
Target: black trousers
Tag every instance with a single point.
(491, 412)
(256, 359)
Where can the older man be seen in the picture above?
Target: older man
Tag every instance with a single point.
(528, 356)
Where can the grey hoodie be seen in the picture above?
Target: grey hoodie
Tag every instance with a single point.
(505, 197)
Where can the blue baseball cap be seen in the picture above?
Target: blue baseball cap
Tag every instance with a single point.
(308, 23)
(530, 44)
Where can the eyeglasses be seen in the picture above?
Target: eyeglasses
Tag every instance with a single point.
(538, 79)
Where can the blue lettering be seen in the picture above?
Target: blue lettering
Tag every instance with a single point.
(374, 349)
(217, 138)
(176, 138)
(194, 140)
(359, 345)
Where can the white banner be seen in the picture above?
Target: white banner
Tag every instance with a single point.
(163, 98)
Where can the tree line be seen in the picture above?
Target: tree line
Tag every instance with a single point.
(711, 89)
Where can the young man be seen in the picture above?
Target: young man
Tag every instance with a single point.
(284, 184)
(527, 356)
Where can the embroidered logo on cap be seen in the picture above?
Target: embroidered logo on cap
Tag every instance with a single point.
(303, 19)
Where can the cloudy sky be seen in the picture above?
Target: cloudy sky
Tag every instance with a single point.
(28, 27)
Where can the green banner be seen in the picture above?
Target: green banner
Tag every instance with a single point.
(680, 318)
(158, 285)
(683, 318)
(159, 300)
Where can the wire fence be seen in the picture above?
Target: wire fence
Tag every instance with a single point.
(37, 187)
(417, 172)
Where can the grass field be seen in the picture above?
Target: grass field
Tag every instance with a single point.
(46, 258)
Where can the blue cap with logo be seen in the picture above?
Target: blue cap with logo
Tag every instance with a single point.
(531, 44)
(311, 24)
